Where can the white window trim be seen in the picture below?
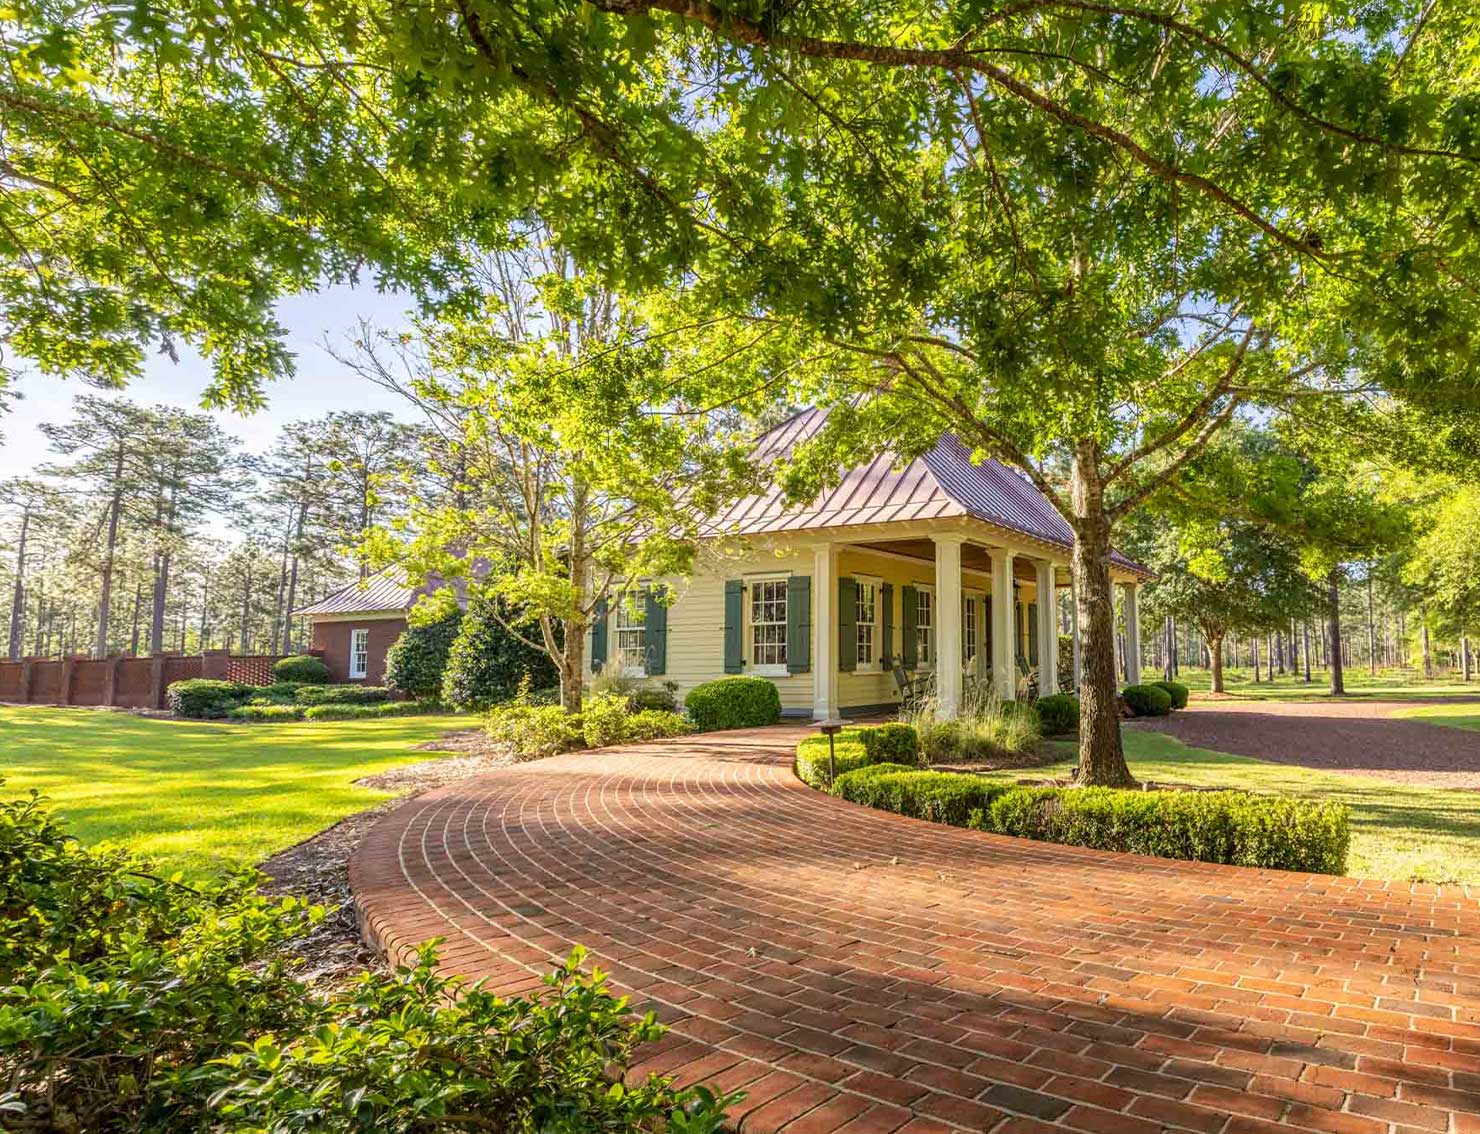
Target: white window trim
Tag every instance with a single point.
(750, 667)
(875, 666)
(929, 589)
(637, 594)
(355, 634)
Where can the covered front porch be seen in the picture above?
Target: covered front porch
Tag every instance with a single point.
(957, 606)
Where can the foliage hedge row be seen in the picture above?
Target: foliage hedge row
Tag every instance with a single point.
(733, 702)
(342, 694)
(1231, 827)
(205, 698)
(534, 731)
(134, 1003)
(335, 711)
(1178, 692)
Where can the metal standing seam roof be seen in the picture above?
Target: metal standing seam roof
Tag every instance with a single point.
(385, 590)
(942, 484)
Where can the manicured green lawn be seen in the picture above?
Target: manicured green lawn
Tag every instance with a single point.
(1454, 716)
(1399, 832)
(198, 796)
(1389, 684)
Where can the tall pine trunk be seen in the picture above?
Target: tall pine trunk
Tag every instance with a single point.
(1215, 657)
(1333, 630)
(293, 579)
(161, 583)
(18, 597)
(105, 599)
(1101, 756)
(133, 646)
(1371, 629)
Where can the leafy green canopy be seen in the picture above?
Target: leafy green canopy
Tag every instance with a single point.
(168, 170)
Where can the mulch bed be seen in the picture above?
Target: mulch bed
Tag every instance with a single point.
(318, 868)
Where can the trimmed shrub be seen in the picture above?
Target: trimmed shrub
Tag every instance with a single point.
(342, 695)
(811, 765)
(1225, 826)
(944, 797)
(1058, 713)
(487, 664)
(533, 731)
(1176, 691)
(733, 702)
(417, 660)
(660, 698)
(1147, 700)
(202, 698)
(302, 668)
(251, 712)
(895, 742)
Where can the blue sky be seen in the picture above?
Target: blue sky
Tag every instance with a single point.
(318, 386)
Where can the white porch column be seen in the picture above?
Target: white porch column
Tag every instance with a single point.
(1074, 632)
(825, 632)
(1047, 629)
(1132, 636)
(1004, 649)
(948, 622)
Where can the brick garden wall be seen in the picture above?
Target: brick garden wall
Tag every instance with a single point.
(120, 681)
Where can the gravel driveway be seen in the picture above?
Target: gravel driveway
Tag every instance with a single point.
(1339, 736)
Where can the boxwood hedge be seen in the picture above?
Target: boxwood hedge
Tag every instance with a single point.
(733, 702)
(1231, 827)
(891, 745)
(1176, 691)
(1147, 700)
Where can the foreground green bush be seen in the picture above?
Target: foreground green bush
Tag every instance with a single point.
(1147, 700)
(1058, 713)
(1237, 828)
(895, 742)
(487, 662)
(202, 698)
(302, 668)
(132, 1003)
(1178, 692)
(347, 694)
(417, 660)
(733, 702)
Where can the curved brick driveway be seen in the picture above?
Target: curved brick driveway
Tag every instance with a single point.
(860, 971)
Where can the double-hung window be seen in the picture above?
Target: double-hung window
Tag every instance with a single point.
(631, 631)
(768, 626)
(925, 627)
(867, 615)
(359, 653)
(969, 637)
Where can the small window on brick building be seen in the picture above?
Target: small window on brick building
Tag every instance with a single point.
(359, 653)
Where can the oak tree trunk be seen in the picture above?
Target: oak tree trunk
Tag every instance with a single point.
(1215, 654)
(1101, 756)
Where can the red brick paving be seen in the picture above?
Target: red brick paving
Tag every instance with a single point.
(857, 971)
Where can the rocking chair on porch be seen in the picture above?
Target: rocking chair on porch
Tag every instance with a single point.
(913, 687)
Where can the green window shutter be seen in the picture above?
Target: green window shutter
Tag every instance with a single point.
(1017, 639)
(909, 613)
(734, 626)
(799, 624)
(598, 636)
(1032, 633)
(847, 623)
(655, 633)
(886, 622)
(987, 629)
